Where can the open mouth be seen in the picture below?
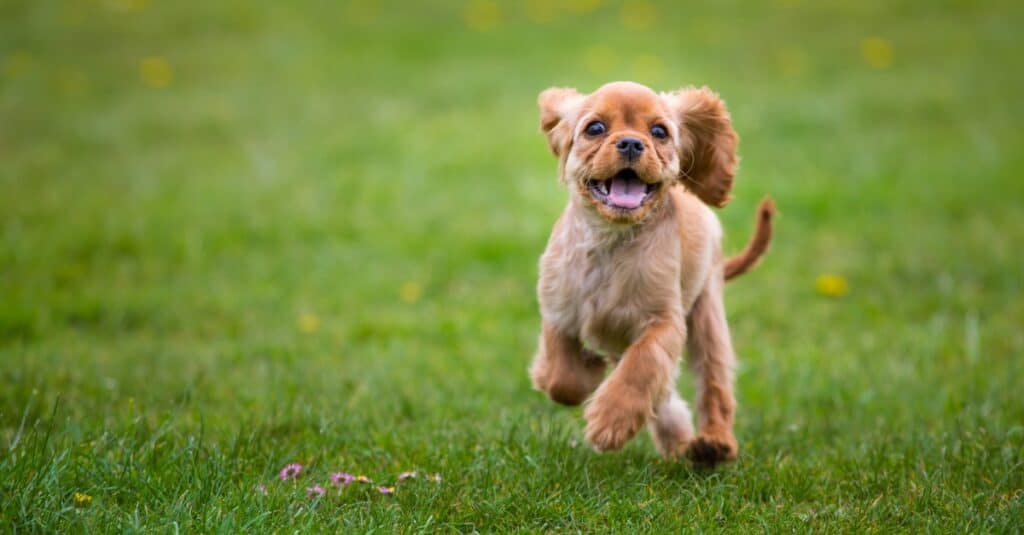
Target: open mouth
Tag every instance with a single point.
(624, 191)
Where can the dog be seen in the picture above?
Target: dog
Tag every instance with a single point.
(633, 270)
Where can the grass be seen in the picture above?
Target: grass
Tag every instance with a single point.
(309, 233)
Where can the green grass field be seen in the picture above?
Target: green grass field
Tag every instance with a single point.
(237, 235)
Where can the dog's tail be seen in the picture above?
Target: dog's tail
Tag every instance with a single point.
(741, 263)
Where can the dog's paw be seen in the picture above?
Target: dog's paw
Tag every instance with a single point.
(610, 424)
(709, 450)
(672, 427)
(671, 448)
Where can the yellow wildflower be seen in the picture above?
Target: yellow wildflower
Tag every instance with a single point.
(542, 11)
(410, 292)
(127, 5)
(309, 323)
(877, 52)
(831, 285)
(481, 15)
(363, 11)
(582, 6)
(17, 64)
(155, 71)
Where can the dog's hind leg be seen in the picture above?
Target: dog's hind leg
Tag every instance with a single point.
(712, 360)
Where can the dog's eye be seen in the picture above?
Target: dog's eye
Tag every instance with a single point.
(595, 128)
(659, 131)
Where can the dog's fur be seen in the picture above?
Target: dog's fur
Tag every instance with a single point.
(632, 287)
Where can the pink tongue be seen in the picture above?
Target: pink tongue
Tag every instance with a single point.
(627, 192)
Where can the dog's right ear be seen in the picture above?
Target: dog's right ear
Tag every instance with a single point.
(559, 108)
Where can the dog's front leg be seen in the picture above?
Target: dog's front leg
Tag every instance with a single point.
(627, 398)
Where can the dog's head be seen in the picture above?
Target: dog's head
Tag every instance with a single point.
(622, 146)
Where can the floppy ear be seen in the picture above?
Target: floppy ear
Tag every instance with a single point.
(707, 154)
(559, 107)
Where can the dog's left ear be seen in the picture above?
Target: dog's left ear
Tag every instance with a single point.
(559, 107)
(707, 154)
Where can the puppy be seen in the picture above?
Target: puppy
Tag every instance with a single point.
(633, 271)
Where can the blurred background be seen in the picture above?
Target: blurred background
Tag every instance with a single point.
(306, 217)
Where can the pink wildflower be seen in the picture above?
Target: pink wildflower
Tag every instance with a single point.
(407, 475)
(291, 471)
(340, 479)
(386, 490)
(315, 491)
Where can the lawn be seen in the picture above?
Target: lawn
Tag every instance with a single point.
(237, 235)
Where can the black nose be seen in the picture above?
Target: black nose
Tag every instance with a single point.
(630, 147)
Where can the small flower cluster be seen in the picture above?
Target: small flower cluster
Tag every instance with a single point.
(81, 499)
(340, 480)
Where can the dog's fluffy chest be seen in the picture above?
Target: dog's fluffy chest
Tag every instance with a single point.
(605, 289)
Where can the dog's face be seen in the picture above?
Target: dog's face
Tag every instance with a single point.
(621, 147)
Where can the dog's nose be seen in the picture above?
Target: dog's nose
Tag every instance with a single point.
(630, 147)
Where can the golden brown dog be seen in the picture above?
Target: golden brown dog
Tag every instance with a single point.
(633, 270)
